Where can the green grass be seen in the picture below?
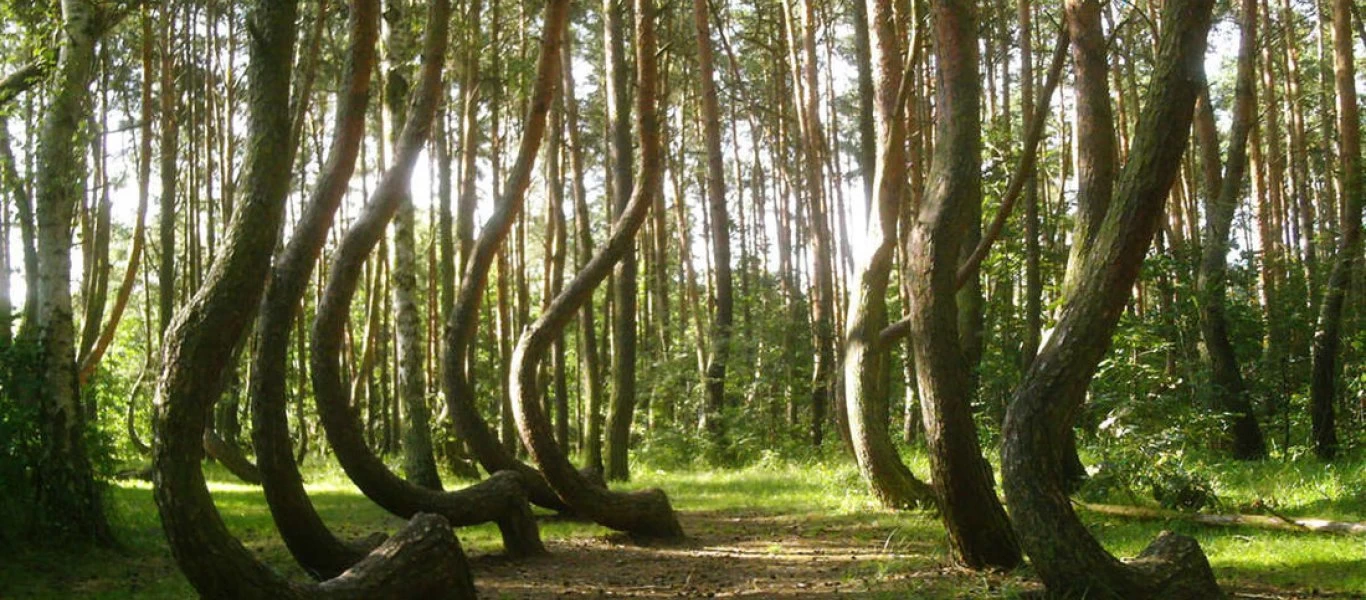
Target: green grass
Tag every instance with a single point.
(827, 499)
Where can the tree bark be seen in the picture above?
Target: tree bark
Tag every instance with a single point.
(645, 513)
(1222, 192)
(67, 492)
(465, 320)
(313, 545)
(424, 559)
(591, 372)
(979, 532)
(419, 464)
(1328, 334)
(498, 499)
(1068, 559)
(170, 150)
(621, 404)
(865, 356)
(723, 315)
(1096, 153)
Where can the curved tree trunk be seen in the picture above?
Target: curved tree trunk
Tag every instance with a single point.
(1222, 191)
(91, 360)
(313, 545)
(865, 355)
(979, 531)
(1068, 559)
(424, 560)
(646, 513)
(499, 499)
(460, 331)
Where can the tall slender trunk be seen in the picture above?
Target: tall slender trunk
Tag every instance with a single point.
(723, 314)
(591, 373)
(621, 408)
(1328, 333)
(979, 532)
(1068, 559)
(866, 372)
(1033, 272)
(170, 149)
(66, 490)
(1222, 191)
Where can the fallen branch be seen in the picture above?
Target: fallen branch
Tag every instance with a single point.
(1275, 522)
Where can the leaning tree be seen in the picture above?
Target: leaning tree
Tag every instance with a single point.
(501, 497)
(422, 560)
(646, 513)
(464, 320)
(1125, 212)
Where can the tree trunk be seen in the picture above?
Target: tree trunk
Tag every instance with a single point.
(66, 489)
(499, 499)
(1068, 559)
(645, 513)
(1222, 191)
(170, 149)
(464, 321)
(621, 404)
(91, 359)
(1033, 271)
(423, 560)
(419, 464)
(865, 357)
(1328, 333)
(313, 545)
(979, 532)
(588, 352)
(724, 311)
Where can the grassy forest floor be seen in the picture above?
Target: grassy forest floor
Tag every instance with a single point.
(769, 531)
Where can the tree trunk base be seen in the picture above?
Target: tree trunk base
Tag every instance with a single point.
(423, 560)
(1176, 569)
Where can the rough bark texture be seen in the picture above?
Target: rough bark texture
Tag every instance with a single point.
(621, 403)
(865, 355)
(1328, 335)
(498, 499)
(1222, 192)
(313, 545)
(645, 513)
(724, 311)
(979, 532)
(66, 489)
(170, 144)
(1068, 559)
(422, 561)
(419, 463)
(464, 322)
(1095, 124)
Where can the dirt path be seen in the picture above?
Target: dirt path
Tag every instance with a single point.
(746, 554)
(730, 555)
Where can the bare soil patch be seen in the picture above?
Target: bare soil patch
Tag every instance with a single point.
(751, 554)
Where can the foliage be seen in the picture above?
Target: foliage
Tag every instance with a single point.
(20, 445)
